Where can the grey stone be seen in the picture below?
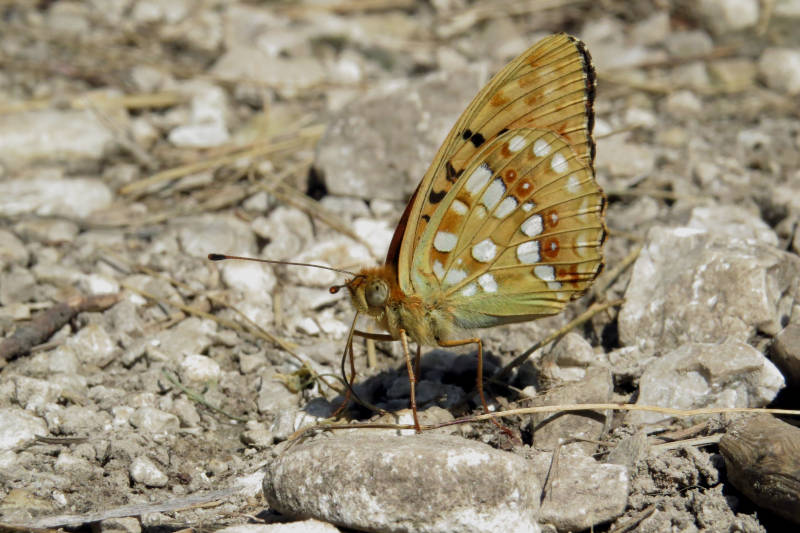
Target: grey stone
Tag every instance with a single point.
(422, 483)
(33, 394)
(19, 427)
(780, 68)
(202, 235)
(12, 250)
(653, 29)
(727, 16)
(52, 196)
(683, 104)
(199, 369)
(698, 375)
(569, 359)
(582, 492)
(305, 526)
(144, 470)
(93, 345)
(191, 336)
(691, 285)
(786, 352)
(28, 137)
(75, 419)
(289, 231)
(624, 159)
(127, 524)
(362, 138)
(207, 126)
(553, 429)
(689, 43)
(288, 75)
(154, 421)
(734, 221)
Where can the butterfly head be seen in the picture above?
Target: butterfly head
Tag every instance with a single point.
(370, 290)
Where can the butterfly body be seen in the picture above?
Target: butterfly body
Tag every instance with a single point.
(375, 292)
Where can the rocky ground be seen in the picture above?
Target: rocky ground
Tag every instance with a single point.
(155, 388)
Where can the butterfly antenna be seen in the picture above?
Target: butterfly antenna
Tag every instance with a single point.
(222, 257)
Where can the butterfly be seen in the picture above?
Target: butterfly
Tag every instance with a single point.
(507, 225)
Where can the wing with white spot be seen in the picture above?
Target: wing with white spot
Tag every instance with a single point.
(549, 87)
(517, 237)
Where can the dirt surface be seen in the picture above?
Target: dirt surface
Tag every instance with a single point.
(136, 137)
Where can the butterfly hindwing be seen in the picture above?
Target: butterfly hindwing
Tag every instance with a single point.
(550, 87)
(516, 238)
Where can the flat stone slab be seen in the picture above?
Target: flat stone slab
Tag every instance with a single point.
(421, 483)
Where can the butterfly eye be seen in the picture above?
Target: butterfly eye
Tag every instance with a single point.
(376, 293)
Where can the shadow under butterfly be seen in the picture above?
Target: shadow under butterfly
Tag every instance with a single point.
(506, 226)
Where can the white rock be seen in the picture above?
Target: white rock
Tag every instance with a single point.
(168, 11)
(683, 104)
(12, 250)
(97, 284)
(208, 119)
(725, 16)
(734, 221)
(376, 233)
(699, 375)
(199, 369)
(154, 421)
(18, 427)
(306, 526)
(33, 394)
(304, 325)
(52, 135)
(93, 345)
(145, 471)
(46, 196)
(253, 279)
(780, 67)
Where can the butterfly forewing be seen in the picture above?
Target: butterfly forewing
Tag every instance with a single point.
(549, 87)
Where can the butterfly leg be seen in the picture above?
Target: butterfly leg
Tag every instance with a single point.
(412, 372)
(477, 341)
(412, 377)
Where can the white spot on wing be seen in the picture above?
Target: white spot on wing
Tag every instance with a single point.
(459, 207)
(469, 290)
(438, 269)
(528, 252)
(506, 207)
(484, 251)
(479, 177)
(454, 276)
(493, 193)
(487, 283)
(541, 147)
(545, 272)
(445, 241)
(573, 184)
(558, 163)
(516, 144)
(532, 226)
(527, 206)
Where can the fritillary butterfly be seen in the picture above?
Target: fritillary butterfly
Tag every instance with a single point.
(507, 225)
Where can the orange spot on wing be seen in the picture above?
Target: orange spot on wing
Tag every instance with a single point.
(498, 100)
(523, 188)
(550, 248)
(509, 176)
